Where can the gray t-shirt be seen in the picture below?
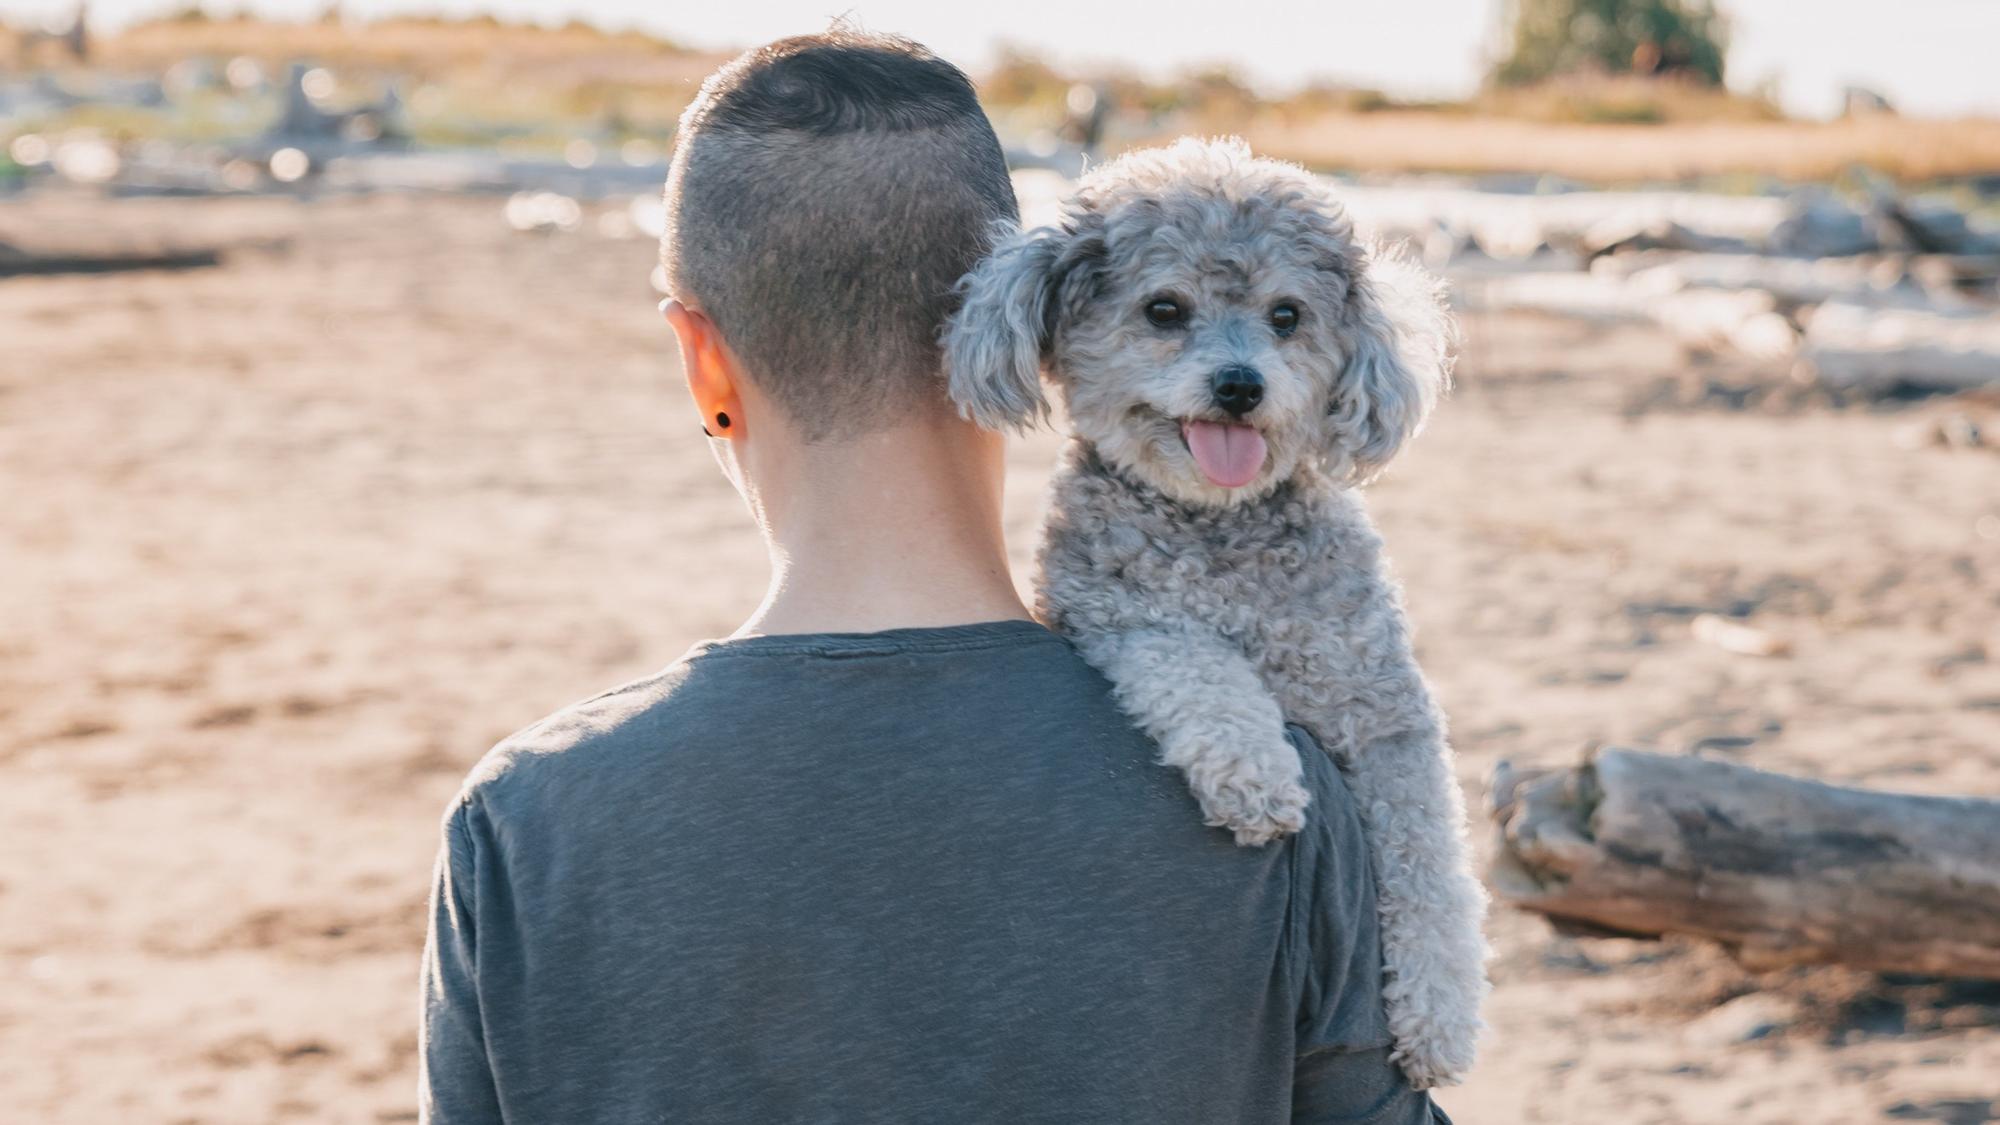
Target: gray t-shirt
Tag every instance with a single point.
(924, 875)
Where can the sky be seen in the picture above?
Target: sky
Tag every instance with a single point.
(1930, 57)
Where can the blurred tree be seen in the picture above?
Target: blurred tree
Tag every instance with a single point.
(1666, 38)
(1021, 78)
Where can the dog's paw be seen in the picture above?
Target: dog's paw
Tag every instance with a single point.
(1284, 813)
(1277, 811)
(1259, 798)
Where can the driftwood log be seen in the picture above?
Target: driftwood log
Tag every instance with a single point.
(1926, 283)
(17, 262)
(1780, 870)
(1852, 346)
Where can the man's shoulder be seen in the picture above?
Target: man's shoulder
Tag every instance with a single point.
(589, 739)
(1336, 912)
(1334, 836)
(723, 698)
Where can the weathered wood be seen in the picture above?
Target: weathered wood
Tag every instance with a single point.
(1745, 321)
(1781, 870)
(1850, 346)
(1926, 283)
(15, 262)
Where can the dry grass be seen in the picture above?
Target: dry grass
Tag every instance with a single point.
(1598, 130)
(478, 70)
(1906, 149)
(466, 79)
(428, 49)
(1623, 99)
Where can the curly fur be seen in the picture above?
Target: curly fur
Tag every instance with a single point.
(1219, 613)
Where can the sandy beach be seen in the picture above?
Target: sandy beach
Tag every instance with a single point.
(288, 544)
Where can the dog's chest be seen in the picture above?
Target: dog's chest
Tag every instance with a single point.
(1279, 577)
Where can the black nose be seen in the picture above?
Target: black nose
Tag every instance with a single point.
(1237, 389)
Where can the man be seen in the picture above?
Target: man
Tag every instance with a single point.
(890, 853)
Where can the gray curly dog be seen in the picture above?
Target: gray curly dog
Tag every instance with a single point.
(1233, 363)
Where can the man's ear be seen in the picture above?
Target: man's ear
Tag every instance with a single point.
(709, 369)
(1005, 324)
(1398, 363)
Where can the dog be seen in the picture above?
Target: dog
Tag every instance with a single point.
(1234, 362)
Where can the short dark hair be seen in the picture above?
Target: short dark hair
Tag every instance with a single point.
(827, 192)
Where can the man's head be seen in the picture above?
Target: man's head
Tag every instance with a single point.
(826, 193)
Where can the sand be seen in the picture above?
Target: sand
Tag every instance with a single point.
(286, 545)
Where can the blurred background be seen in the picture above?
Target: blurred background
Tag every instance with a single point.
(339, 437)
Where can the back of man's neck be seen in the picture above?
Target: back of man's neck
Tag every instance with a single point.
(884, 533)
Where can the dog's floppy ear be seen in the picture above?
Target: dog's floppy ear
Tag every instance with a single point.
(1010, 307)
(1398, 363)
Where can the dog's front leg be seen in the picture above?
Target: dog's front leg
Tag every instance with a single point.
(1200, 699)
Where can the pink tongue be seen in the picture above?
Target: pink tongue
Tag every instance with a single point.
(1229, 456)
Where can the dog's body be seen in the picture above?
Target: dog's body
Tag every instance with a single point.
(1232, 362)
(1216, 626)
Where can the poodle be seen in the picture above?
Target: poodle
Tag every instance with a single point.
(1233, 362)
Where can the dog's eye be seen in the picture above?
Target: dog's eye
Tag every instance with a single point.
(1165, 312)
(1284, 318)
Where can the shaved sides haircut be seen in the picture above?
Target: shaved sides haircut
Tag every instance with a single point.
(827, 192)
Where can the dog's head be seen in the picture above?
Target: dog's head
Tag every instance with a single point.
(1211, 323)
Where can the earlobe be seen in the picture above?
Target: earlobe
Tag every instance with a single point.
(710, 373)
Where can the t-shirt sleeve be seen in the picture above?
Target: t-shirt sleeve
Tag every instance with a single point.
(1339, 932)
(1342, 1072)
(455, 1081)
(1332, 1087)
